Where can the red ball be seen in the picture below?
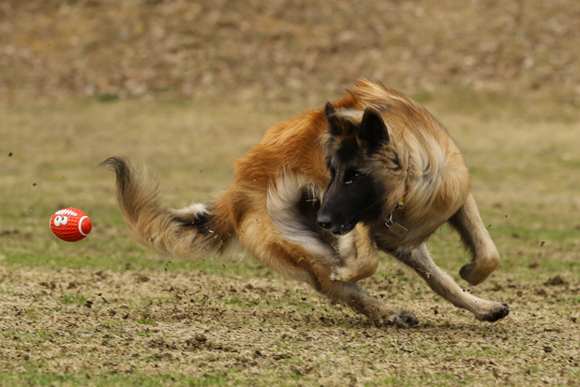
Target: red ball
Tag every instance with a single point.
(70, 224)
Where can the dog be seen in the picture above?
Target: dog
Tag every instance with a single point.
(323, 192)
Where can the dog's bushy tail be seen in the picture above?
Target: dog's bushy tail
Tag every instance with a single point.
(187, 233)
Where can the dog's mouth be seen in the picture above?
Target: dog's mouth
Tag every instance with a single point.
(344, 228)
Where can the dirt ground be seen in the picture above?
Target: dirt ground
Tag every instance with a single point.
(188, 87)
(259, 331)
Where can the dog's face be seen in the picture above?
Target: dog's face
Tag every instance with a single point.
(356, 193)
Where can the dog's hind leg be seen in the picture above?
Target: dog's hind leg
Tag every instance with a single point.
(476, 239)
(420, 260)
(313, 265)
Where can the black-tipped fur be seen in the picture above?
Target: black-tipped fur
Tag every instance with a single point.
(186, 232)
(322, 191)
(122, 170)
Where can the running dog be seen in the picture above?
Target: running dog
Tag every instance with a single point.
(323, 192)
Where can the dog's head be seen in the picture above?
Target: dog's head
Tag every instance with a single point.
(364, 167)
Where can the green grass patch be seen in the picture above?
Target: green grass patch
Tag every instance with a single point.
(33, 378)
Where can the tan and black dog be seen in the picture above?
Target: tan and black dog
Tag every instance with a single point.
(322, 192)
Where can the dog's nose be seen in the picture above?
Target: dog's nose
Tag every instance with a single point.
(324, 221)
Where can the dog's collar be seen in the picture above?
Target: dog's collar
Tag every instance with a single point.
(401, 203)
(393, 226)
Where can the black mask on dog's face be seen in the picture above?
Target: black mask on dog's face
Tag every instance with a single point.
(353, 195)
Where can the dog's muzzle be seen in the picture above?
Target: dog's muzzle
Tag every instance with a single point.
(327, 223)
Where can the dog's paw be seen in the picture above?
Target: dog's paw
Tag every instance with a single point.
(477, 272)
(497, 312)
(344, 273)
(403, 319)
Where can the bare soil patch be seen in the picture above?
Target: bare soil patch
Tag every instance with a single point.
(239, 330)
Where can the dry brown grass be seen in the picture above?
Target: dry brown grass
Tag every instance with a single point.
(257, 331)
(282, 50)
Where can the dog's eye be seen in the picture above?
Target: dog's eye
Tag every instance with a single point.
(352, 177)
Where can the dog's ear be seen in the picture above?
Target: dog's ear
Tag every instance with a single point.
(337, 126)
(329, 110)
(373, 129)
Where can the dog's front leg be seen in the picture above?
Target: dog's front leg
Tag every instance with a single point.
(358, 299)
(359, 255)
(314, 264)
(475, 237)
(420, 260)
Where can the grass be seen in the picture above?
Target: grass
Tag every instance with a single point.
(107, 312)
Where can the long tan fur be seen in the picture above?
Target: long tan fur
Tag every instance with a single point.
(279, 185)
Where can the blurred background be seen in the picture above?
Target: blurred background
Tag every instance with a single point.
(286, 50)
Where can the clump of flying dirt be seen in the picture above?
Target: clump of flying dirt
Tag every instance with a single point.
(556, 281)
